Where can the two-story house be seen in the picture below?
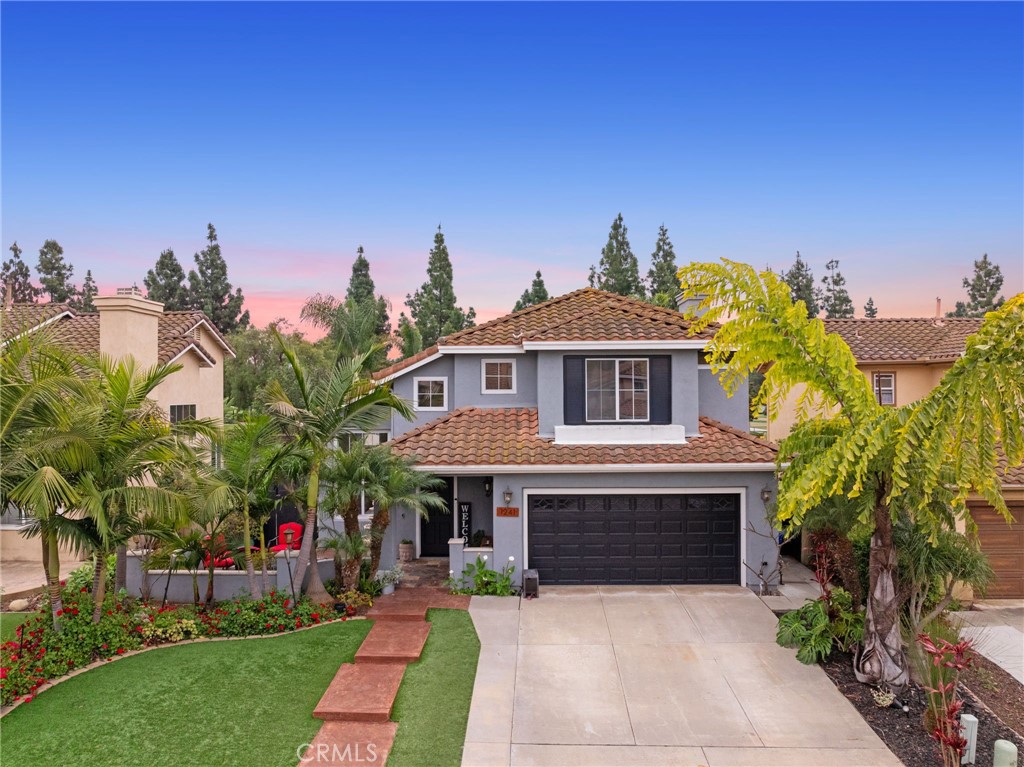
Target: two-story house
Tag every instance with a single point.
(904, 359)
(587, 440)
(128, 324)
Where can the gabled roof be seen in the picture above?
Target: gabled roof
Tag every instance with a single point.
(80, 332)
(905, 339)
(587, 315)
(507, 437)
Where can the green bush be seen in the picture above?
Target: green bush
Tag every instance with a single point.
(817, 628)
(480, 580)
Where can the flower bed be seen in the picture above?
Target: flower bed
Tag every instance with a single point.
(40, 654)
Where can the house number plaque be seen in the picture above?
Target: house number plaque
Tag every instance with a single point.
(507, 511)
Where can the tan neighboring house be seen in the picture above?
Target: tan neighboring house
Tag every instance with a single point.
(904, 359)
(129, 324)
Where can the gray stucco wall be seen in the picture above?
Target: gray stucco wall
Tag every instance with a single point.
(403, 387)
(509, 538)
(468, 390)
(734, 410)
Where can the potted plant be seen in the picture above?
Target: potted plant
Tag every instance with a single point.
(388, 579)
(406, 550)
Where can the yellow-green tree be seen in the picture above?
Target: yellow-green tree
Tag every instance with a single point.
(923, 459)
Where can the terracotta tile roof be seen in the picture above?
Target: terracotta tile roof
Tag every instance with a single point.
(80, 332)
(474, 436)
(583, 315)
(905, 339)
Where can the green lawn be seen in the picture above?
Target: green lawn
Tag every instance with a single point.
(8, 623)
(433, 702)
(214, 704)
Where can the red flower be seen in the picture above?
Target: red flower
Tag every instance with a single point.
(60, 613)
(27, 698)
(120, 651)
(83, 590)
(3, 673)
(104, 647)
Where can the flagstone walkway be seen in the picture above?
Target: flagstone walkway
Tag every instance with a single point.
(356, 708)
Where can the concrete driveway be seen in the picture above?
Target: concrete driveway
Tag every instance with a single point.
(622, 676)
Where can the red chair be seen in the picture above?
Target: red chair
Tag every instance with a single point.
(296, 529)
(221, 555)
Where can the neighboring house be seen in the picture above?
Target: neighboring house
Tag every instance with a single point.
(904, 359)
(128, 324)
(585, 438)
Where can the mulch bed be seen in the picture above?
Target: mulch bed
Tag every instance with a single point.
(904, 733)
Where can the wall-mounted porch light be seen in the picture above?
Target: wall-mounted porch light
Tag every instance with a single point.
(488, 486)
(507, 495)
(766, 494)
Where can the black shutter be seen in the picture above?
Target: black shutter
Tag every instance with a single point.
(661, 389)
(574, 380)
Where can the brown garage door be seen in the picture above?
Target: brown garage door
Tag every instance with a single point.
(635, 538)
(1004, 545)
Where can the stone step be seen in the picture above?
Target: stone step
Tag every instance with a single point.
(393, 642)
(361, 693)
(394, 609)
(347, 744)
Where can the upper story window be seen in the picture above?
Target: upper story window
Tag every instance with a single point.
(431, 393)
(885, 388)
(182, 413)
(617, 390)
(498, 376)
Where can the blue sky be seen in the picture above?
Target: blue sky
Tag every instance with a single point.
(889, 136)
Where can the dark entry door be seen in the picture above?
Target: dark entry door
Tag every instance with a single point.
(437, 530)
(635, 538)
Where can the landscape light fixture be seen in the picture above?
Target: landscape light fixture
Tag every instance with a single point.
(170, 569)
(507, 495)
(289, 533)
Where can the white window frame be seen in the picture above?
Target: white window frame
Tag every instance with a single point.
(878, 389)
(170, 410)
(416, 392)
(483, 376)
(618, 417)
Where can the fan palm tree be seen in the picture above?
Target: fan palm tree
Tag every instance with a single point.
(345, 401)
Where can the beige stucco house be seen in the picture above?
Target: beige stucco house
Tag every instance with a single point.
(125, 324)
(904, 359)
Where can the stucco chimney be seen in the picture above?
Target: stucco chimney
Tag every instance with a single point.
(689, 306)
(938, 308)
(129, 324)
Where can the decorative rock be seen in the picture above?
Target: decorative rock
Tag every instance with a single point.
(19, 605)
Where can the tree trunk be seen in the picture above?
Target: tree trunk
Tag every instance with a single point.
(312, 496)
(121, 568)
(52, 561)
(209, 583)
(315, 586)
(263, 559)
(254, 589)
(378, 526)
(881, 660)
(99, 586)
(195, 587)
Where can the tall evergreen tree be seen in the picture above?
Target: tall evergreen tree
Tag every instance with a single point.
(55, 273)
(83, 300)
(166, 283)
(433, 307)
(801, 285)
(870, 310)
(982, 290)
(835, 300)
(661, 278)
(410, 341)
(17, 273)
(362, 291)
(210, 291)
(618, 270)
(536, 294)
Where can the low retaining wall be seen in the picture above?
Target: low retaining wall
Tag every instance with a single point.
(227, 584)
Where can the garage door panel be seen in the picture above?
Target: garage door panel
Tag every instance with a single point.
(643, 538)
(1003, 544)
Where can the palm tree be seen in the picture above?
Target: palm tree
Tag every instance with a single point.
(345, 401)
(353, 327)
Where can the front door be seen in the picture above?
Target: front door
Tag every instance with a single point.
(437, 530)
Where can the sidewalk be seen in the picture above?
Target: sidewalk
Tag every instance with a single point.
(996, 626)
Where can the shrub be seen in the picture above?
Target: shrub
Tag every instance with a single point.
(480, 580)
(947, 660)
(820, 625)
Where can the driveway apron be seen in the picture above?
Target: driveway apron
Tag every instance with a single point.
(619, 676)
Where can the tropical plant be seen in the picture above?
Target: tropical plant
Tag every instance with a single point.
(481, 580)
(947, 661)
(921, 459)
(345, 401)
(354, 547)
(821, 625)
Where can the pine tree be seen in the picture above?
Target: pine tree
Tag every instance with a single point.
(835, 300)
(83, 300)
(55, 273)
(536, 294)
(801, 285)
(210, 291)
(362, 291)
(982, 290)
(166, 283)
(410, 341)
(433, 307)
(619, 271)
(870, 310)
(16, 272)
(661, 278)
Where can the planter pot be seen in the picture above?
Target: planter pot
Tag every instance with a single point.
(389, 589)
(406, 552)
